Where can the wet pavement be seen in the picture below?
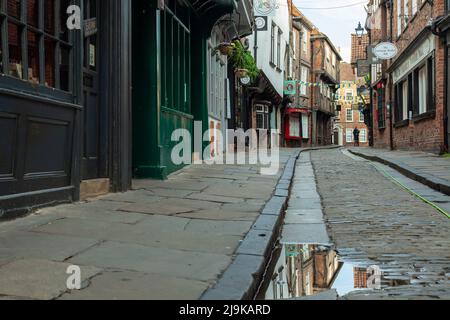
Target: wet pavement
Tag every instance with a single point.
(163, 240)
(384, 243)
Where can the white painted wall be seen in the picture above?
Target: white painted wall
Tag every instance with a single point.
(281, 19)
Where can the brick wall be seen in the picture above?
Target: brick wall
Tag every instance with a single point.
(424, 134)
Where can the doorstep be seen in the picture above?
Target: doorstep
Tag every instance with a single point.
(94, 188)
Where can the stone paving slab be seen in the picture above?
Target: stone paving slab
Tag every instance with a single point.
(184, 264)
(131, 285)
(426, 168)
(38, 279)
(155, 234)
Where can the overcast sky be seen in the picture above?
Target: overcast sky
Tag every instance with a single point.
(337, 24)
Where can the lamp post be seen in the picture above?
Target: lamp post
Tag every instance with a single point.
(359, 30)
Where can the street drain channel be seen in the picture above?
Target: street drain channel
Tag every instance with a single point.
(309, 271)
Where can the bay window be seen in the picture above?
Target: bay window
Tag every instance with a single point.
(35, 43)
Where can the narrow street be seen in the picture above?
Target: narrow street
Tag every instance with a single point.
(372, 221)
(353, 231)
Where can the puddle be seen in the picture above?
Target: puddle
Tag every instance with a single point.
(305, 270)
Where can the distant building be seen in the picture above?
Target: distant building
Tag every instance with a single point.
(325, 79)
(351, 113)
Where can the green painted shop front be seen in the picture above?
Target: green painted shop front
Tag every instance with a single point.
(169, 76)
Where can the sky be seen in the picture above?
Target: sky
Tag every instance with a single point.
(337, 24)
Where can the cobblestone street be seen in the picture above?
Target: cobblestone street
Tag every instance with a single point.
(372, 221)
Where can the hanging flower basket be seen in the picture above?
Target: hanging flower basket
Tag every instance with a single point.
(225, 48)
(241, 73)
(243, 62)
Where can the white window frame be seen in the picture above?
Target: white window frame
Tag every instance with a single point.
(399, 18)
(423, 89)
(305, 40)
(363, 136)
(361, 117)
(347, 115)
(349, 135)
(304, 79)
(415, 6)
(405, 100)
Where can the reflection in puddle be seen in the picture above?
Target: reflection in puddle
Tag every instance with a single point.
(306, 270)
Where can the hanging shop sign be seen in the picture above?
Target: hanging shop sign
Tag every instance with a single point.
(415, 58)
(266, 8)
(385, 50)
(290, 88)
(90, 27)
(363, 67)
(261, 23)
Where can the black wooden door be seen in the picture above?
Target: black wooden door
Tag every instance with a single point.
(92, 114)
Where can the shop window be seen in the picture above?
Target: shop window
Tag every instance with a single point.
(49, 45)
(423, 89)
(175, 61)
(64, 68)
(14, 8)
(405, 100)
(15, 50)
(381, 110)
(33, 13)
(49, 22)
(33, 57)
(262, 117)
(1, 48)
(36, 42)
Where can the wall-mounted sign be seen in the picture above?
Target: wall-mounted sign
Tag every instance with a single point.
(415, 58)
(92, 58)
(363, 67)
(385, 50)
(245, 80)
(290, 88)
(261, 23)
(266, 7)
(90, 27)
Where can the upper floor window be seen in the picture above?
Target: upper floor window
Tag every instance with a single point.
(35, 43)
(305, 40)
(280, 35)
(350, 115)
(272, 43)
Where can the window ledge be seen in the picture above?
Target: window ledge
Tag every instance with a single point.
(273, 65)
(425, 116)
(401, 123)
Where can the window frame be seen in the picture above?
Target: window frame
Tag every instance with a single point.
(279, 35)
(272, 43)
(349, 133)
(348, 110)
(363, 134)
(14, 83)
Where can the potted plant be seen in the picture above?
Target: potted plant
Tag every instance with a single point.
(243, 62)
(225, 48)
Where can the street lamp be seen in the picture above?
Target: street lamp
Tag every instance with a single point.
(359, 30)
